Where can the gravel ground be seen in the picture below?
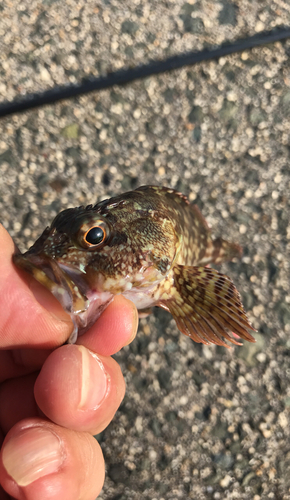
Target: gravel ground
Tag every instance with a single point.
(197, 422)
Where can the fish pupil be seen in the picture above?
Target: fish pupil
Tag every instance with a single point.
(95, 235)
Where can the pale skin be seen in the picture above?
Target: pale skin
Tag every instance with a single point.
(54, 397)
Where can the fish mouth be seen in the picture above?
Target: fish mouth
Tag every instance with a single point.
(69, 287)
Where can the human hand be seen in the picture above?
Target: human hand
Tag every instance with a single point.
(52, 401)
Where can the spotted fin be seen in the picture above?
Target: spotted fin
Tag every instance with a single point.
(206, 306)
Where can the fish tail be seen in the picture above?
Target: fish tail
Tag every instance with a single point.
(224, 251)
(218, 251)
(206, 306)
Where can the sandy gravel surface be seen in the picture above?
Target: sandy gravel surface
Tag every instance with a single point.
(197, 422)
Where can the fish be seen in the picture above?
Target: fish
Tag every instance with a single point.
(152, 246)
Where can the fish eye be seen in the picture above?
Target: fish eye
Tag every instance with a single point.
(93, 235)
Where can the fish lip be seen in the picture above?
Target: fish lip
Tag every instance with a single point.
(55, 279)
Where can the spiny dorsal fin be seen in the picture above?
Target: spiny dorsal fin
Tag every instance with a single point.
(206, 306)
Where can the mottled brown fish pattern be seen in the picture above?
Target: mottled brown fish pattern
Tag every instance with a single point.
(152, 246)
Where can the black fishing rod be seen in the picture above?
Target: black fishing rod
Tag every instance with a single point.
(124, 76)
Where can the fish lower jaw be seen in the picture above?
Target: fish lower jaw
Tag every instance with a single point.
(97, 303)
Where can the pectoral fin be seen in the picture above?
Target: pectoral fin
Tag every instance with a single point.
(206, 306)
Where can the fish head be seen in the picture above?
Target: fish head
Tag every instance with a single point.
(89, 254)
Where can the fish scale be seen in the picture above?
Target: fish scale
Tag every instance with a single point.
(153, 247)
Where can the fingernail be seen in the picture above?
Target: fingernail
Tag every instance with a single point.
(95, 382)
(31, 454)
